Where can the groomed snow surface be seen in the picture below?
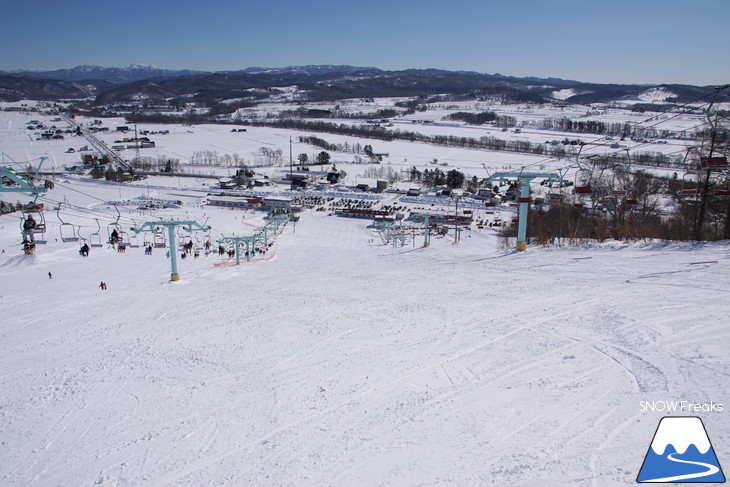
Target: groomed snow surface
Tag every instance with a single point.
(340, 361)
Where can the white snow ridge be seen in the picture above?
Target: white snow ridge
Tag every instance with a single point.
(680, 432)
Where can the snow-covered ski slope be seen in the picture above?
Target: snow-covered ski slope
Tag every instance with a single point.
(335, 360)
(341, 361)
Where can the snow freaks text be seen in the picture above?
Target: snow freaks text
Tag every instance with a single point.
(680, 407)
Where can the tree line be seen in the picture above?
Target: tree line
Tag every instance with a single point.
(436, 177)
(618, 129)
(558, 151)
(481, 118)
(346, 147)
(160, 163)
(632, 216)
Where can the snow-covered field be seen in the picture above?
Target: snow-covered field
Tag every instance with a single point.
(183, 142)
(337, 360)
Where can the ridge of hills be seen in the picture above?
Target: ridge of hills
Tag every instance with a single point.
(319, 82)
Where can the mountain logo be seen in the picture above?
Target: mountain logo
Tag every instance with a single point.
(681, 452)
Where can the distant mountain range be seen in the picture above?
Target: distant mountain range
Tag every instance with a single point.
(320, 82)
(133, 72)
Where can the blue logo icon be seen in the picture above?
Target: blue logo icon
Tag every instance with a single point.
(681, 452)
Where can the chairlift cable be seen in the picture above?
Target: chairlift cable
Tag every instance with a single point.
(80, 212)
(642, 144)
(668, 119)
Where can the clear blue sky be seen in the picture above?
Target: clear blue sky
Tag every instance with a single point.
(616, 41)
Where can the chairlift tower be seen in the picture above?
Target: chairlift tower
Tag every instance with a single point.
(524, 179)
(276, 221)
(264, 232)
(426, 223)
(272, 226)
(393, 233)
(171, 225)
(262, 236)
(398, 234)
(249, 240)
(15, 182)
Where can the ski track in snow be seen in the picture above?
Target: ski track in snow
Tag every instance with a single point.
(711, 470)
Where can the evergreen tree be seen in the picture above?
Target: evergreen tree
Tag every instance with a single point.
(455, 179)
(323, 158)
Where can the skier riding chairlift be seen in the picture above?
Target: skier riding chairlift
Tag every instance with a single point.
(28, 226)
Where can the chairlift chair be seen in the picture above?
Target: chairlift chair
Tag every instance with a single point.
(687, 191)
(124, 239)
(722, 192)
(159, 240)
(82, 239)
(579, 186)
(68, 230)
(198, 242)
(115, 226)
(95, 238)
(37, 231)
(181, 240)
(110, 230)
(718, 162)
